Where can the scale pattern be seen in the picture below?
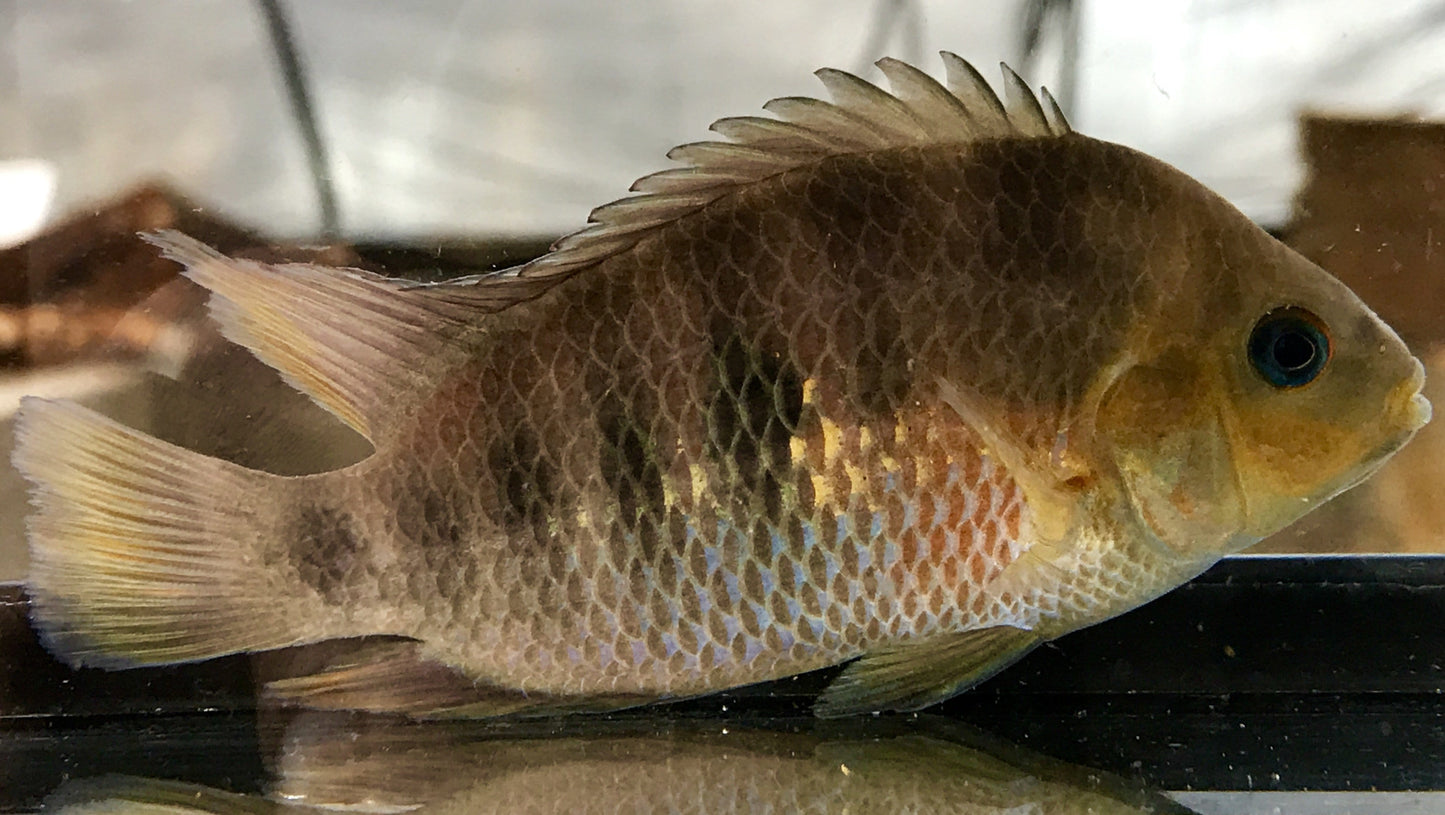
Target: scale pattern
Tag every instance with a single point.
(722, 457)
(912, 377)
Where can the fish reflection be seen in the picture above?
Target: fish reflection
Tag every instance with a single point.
(366, 764)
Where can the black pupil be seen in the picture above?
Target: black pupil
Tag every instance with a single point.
(1288, 347)
(1293, 351)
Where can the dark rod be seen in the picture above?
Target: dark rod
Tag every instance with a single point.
(293, 76)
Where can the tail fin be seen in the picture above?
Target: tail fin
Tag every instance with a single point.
(143, 552)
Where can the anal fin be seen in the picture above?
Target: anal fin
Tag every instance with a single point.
(919, 674)
(388, 678)
(398, 677)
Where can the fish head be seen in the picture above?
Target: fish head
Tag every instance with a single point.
(1260, 388)
(1321, 392)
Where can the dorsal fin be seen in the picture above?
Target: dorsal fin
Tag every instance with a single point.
(359, 344)
(862, 117)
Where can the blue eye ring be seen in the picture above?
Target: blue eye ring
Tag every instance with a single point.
(1289, 347)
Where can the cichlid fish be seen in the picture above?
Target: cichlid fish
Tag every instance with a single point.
(913, 380)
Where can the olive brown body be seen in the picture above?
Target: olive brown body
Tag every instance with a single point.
(927, 404)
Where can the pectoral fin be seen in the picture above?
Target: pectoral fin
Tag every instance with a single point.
(1051, 480)
(923, 673)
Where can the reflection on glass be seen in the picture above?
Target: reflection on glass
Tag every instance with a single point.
(915, 764)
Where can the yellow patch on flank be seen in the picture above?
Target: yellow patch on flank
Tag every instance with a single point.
(671, 496)
(699, 480)
(832, 440)
(890, 464)
(810, 391)
(822, 491)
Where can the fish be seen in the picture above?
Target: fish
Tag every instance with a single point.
(921, 765)
(908, 382)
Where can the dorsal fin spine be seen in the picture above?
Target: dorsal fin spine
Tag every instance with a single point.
(1023, 107)
(943, 114)
(773, 133)
(847, 131)
(747, 158)
(884, 111)
(966, 83)
(1057, 123)
(682, 179)
(862, 118)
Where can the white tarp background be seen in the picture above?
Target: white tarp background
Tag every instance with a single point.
(482, 117)
(1215, 87)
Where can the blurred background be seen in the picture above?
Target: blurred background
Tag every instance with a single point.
(445, 135)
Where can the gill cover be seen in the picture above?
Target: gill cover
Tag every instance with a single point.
(1169, 436)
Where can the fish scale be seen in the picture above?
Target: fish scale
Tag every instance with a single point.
(909, 382)
(937, 576)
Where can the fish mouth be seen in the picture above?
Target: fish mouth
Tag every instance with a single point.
(1407, 410)
(1408, 404)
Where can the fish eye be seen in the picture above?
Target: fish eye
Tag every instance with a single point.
(1289, 347)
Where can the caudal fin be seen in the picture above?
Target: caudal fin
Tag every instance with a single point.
(142, 552)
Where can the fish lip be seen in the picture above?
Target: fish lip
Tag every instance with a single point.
(1407, 409)
(1408, 402)
(1421, 411)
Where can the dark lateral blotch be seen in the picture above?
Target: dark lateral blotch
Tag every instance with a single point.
(325, 549)
(628, 467)
(526, 482)
(755, 409)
